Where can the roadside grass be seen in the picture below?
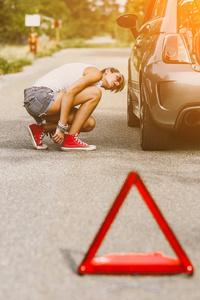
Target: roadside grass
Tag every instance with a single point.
(13, 58)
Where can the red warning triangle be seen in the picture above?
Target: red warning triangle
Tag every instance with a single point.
(140, 263)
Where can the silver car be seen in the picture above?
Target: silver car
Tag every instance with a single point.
(164, 70)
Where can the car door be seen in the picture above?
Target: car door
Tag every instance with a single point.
(144, 46)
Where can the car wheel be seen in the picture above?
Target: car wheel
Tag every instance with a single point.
(152, 136)
(132, 119)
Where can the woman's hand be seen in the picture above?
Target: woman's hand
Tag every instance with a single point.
(58, 136)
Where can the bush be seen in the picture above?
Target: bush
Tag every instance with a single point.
(7, 67)
(4, 66)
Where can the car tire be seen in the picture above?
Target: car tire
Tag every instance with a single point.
(132, 119)
(152, 136)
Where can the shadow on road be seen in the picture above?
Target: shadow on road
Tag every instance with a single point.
(114, 133)
(111, 132)
(69, 257)
(186, 139)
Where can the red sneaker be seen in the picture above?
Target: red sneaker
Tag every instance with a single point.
(72, 142)
(37, 132)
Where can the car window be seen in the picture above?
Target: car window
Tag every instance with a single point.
(155, 9)
(158, 9)
(149, 9)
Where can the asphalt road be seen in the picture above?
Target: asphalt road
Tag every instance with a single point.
(52, 202)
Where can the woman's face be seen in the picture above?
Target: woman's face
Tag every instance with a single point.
(112, 80)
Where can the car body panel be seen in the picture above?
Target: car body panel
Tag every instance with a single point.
(170, 89)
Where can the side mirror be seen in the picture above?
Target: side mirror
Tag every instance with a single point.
(197, 2)
(128, 21)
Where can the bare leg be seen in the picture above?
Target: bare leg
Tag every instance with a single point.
(80, 119)
(52, 121)
(89, 99)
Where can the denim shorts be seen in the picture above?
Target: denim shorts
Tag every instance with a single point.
(38, 100)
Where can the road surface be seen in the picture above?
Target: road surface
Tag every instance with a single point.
(53, 202)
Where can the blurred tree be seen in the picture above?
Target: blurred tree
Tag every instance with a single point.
(108, 10)
(82, 21)
(12, 17)
(80, 18)
(56, 10)
(92, 17)
(137, 7)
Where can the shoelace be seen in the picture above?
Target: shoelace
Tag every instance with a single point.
(50, 134)
(79, 141)
(41, 137)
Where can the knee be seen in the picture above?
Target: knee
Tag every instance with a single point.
(96, 94)
(90, 124)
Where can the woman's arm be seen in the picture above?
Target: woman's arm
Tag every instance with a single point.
(91, 75)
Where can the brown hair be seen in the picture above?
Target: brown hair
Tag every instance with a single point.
(119, 87)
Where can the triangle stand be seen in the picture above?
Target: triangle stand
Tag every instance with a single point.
(139, 263)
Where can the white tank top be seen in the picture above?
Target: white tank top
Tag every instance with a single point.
(62, 77)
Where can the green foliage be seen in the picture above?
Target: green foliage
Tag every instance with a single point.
(7, 67)
(107, 13)
(47, 49)
(81, 19)
(137, 7)
(9, 64)
(12, 17)
(56, 10)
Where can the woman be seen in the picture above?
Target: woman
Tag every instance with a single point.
(54, 97)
